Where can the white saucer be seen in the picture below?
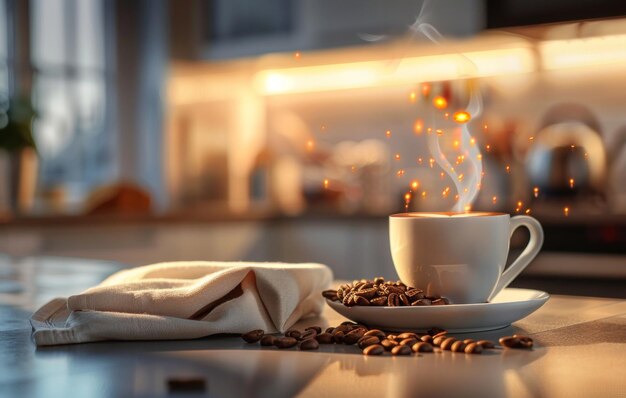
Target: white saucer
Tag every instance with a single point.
(508, 306)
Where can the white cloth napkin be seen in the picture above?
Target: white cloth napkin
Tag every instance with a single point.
(185, 300)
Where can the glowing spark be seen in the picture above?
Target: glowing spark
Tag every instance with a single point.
(429, 130)
(468, 208)
(296, 55)
(536, 192)
(519, 204)
(388, 133)
(508, 168)
(397, 157)
(407, 201)
(412, 97)
(326, 184)
(572, 147)
(310, 145)
(442, 174)
(456, 143)
(456, 197)
(485, 127)
(527, 211)
(494, 200)
(415, 184)
(432, 162)
(425, 89)
(419, 160)
(418, 126)
(566, 211)
(460, 177)
(461, 117)
(400, 173)
(353, 168)
(472, 141)
(440, 102)
(488, 147)
(446, 115)
(571, 183)
(479, 156)
(465, 190)
(439, 131)
(531, 138)
(407, 196)
(423, 194)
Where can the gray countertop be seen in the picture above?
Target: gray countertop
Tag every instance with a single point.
(580, 351)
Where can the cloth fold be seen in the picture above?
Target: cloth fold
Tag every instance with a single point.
(185, 300)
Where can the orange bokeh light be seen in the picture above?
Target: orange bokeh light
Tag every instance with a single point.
(440, 102)
(461, 117)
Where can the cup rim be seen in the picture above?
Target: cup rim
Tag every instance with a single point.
(446, 215)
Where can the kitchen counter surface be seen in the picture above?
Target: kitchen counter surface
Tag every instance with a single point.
(580, 351)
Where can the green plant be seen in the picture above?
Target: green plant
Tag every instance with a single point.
(16, 126)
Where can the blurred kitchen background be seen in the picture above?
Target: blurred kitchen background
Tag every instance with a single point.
(143, 131)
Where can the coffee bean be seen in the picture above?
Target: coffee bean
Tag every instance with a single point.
(486, 344)
(317, 329)
(253, 336)
(468, 341)
(375, 349)
(440, 334)
(457, 346)
(359, 300)
(324, 338)
(439, 301)
(338, 336)
(267, 340)
(404, 299)
(473, 348)
(293, 333)
(388, 344)
(393, 300)
(379, 301)
(347, 299)
(407, 335)
(414, 293)
(408, 341)
(345, 328)
(427, 338)
(375, 332)
(421, 302)
(353, 336)
(285, 342)
(421, 346)
(308, 334)
(309, 344)
(447, 343)
(330, 330)
(368, 293)
(437, 341)
(401, 350)
(366, 341)
(330, 294)
(525, 341)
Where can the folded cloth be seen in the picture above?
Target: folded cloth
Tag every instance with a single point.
(185, 300)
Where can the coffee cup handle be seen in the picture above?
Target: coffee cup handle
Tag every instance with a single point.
(532, 249)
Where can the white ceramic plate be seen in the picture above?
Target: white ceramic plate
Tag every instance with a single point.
(508, 306)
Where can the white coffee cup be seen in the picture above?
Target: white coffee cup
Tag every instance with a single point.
(460, 256)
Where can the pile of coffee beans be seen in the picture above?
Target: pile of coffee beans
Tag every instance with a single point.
(378, 292)
(377, 342)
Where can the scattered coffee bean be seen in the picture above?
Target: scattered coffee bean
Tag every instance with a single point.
(473, 348)
(330, 330)
(437, 341)
(285, 342)
(324, 338)
(375, 349)
(421, 302)
(525, 341)
(367, 341)
(330, 294)
(375, 332)
(427, 338)
(408, 341)
(309, 344)
(468, 341)
(421, 346)
(317, 329)
(388, 344)
(353, 336)
(308, 334)
(253, 336)
(457, 346)
(407, 335)
(338, 336)
(486, 344)
(440, 334)
(379, 301)
(359, 300)
(293, 333)
(401, 350)
(447, 343)
(392, 336)
(516, 341)
(267, 340)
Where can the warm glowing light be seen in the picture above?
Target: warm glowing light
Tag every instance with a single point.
(407, 196)
(485, 127)
(432, 162)
(418, 126)
(442, 174)
(400, 173)
(566, 211)
(467, 208)
(456, 143)
(461, 117)
(519, 204)
(425, 89)
(423, 194)
(440, 102)
(446, 115)
(472, 141)
(388, 133)
(456, 197)
(439, 131)
(479, 156)
(531, 138)
(571, 183)
(412, 97)
(353, 168)
(527, 211)
(419, 160)
(296, 55)
(429, 130)
(488, 147)
(415, 184)
(326, 184)
(508, 168)
(397, 157)
(460, 177)
(310, 145)
(494, 200)
(536, 192)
